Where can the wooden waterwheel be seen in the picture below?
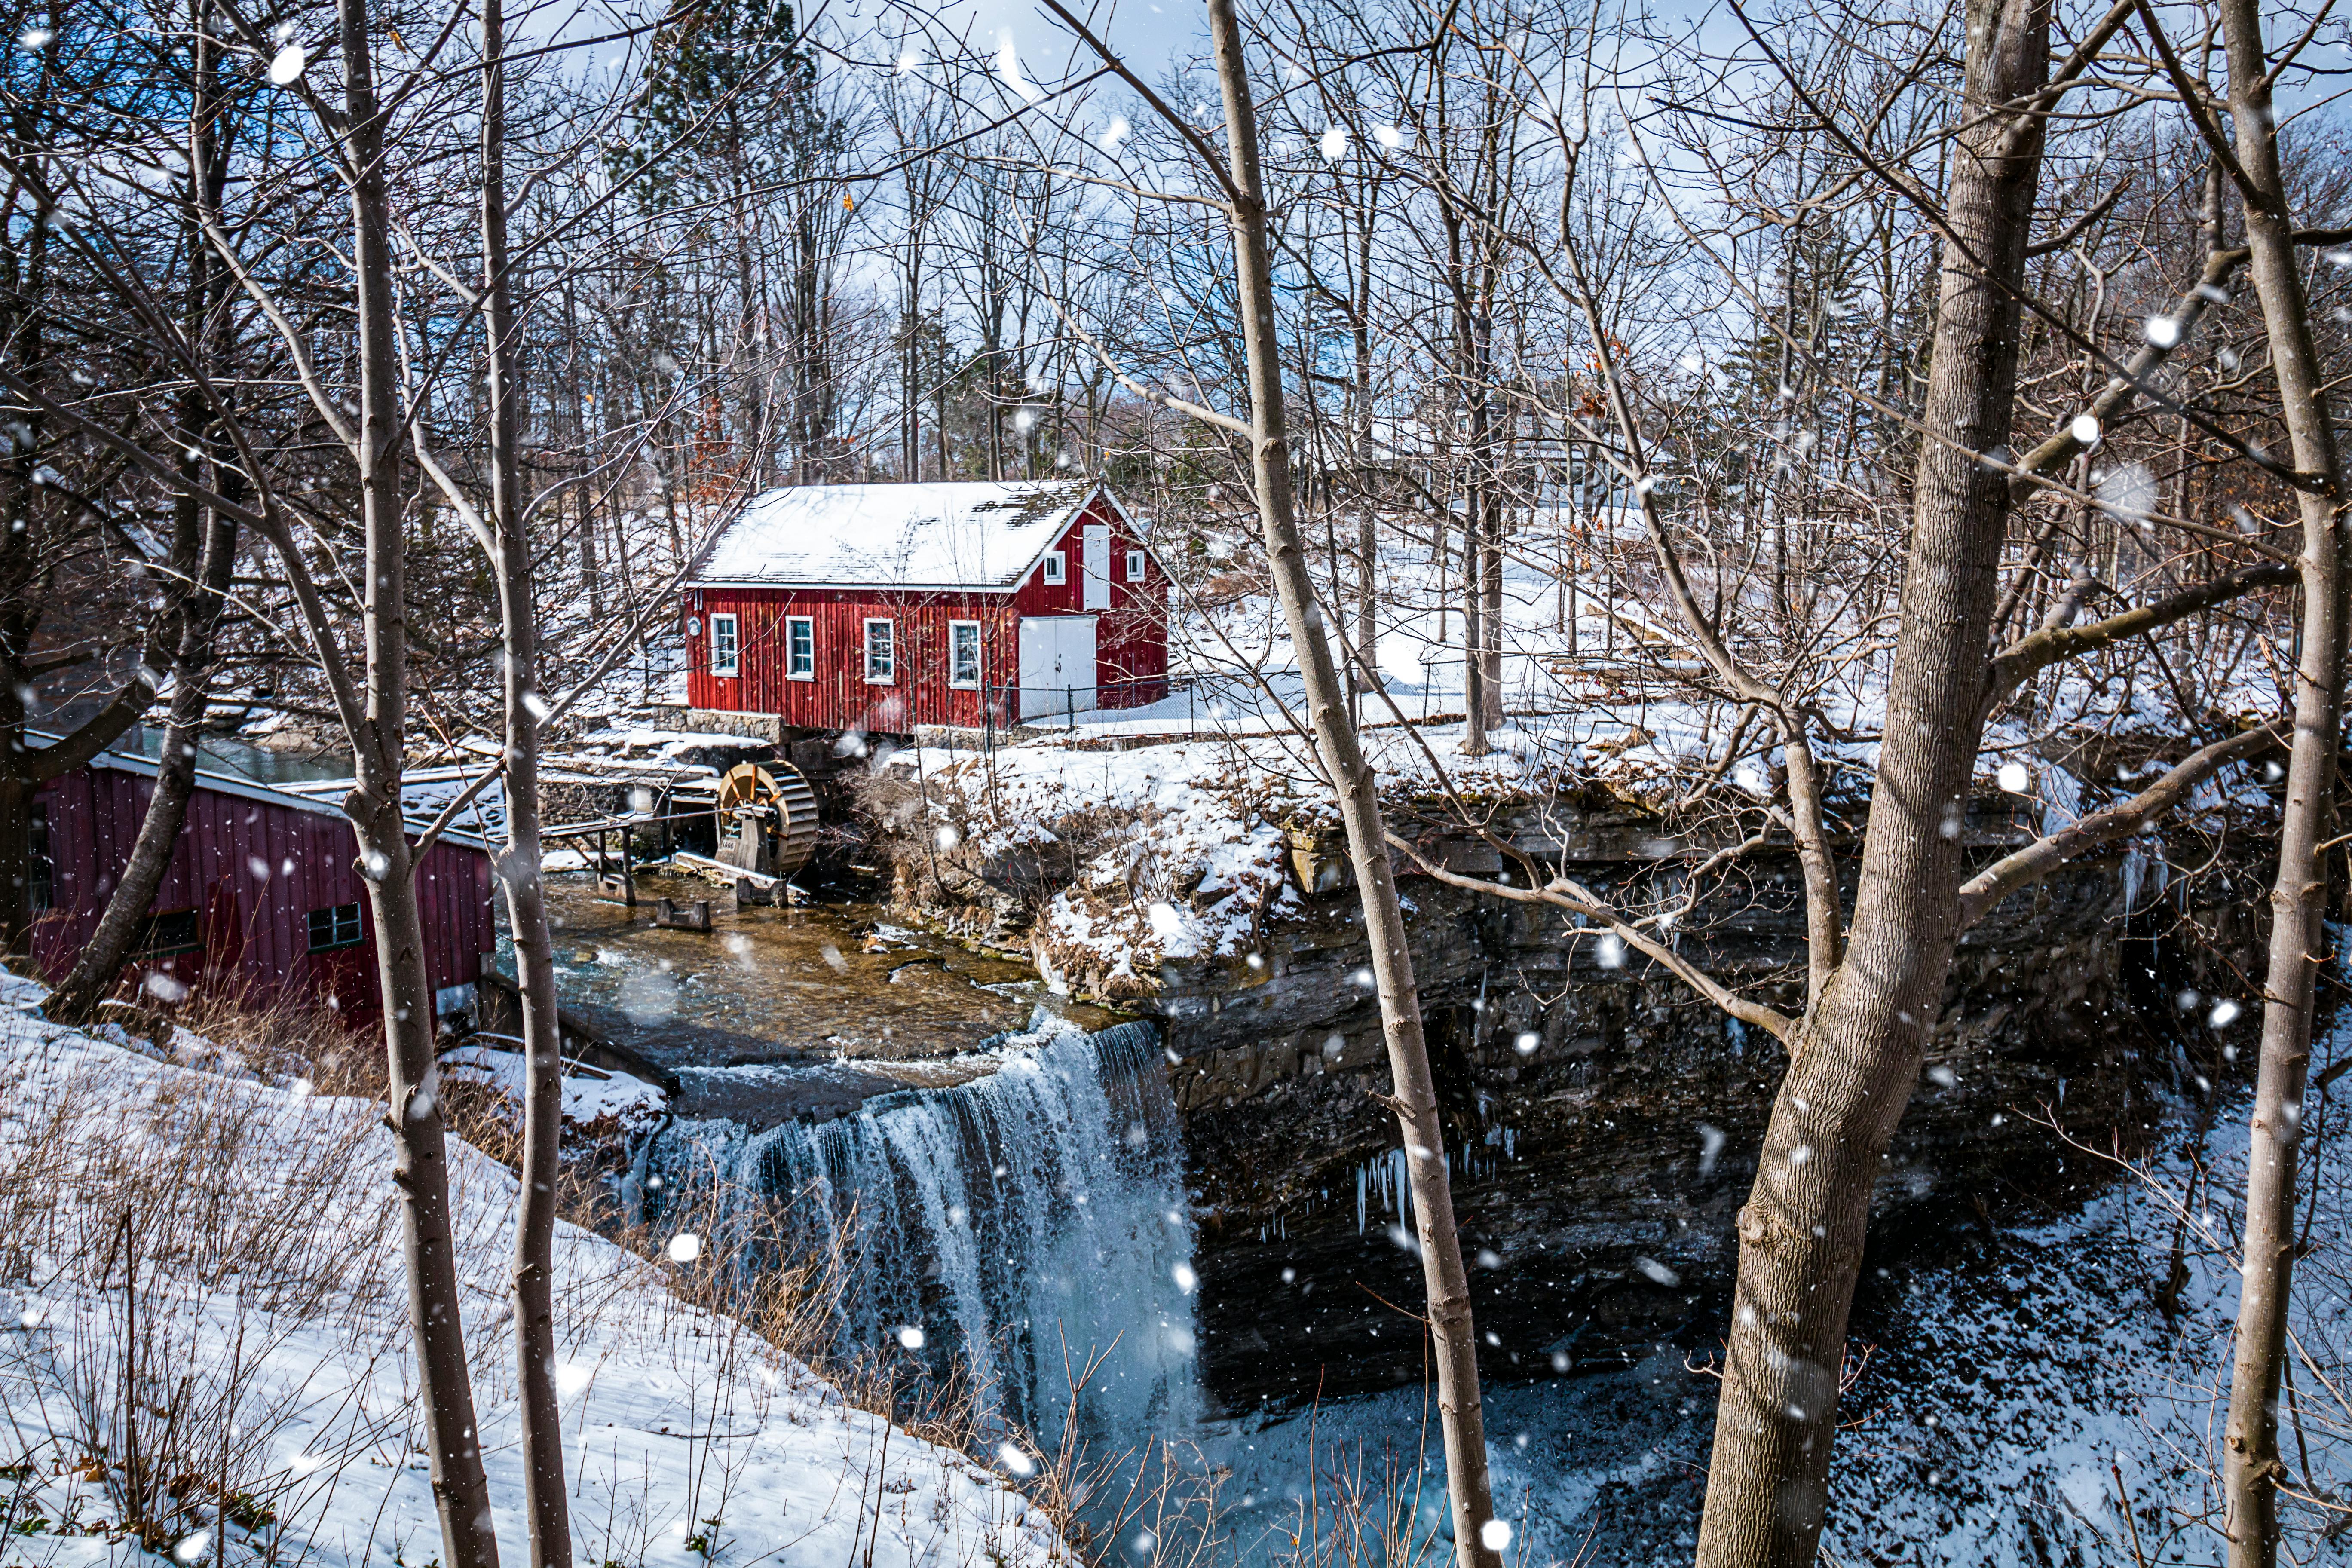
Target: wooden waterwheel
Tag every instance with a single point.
(767, 819)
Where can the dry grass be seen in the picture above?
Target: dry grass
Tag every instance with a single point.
(169, 1234)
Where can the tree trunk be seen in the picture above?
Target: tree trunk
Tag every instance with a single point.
(24, 767)
(545, 1506)
(1473, 624)
(752, 364)
(1354, 788)
(1366, 667)
(77, 996)
(1857, 1056)
(420, 1166)
(1487, 580)
(1474, 520)
(1491, 622)
(591, 574)
(2251, 1468)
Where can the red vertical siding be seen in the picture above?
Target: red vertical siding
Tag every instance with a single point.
(1131, 635)
(255, 869)
(1130, 649)
(839, 697)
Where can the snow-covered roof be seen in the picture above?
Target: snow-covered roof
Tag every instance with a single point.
(316, 796)
(975, 537)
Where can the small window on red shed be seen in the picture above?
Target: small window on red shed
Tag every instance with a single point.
(165, 931)
(40, 870)
(1135, 565)
(881, 653)
(1057, 567)
(337, 925)
(964, 652)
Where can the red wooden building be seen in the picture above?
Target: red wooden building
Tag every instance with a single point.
(263, 890)
(884, 606)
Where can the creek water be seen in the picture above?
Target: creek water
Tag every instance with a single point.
(1001, 1169)
(1024, 1231)
(780, 1013)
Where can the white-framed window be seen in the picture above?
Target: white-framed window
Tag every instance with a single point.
(881, 653)
(726, 650)
(964, 652)
(800, 648)
(1058, 567)
(1135, 559)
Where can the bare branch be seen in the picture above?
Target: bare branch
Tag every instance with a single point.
(1982, 892)
(2040, 650)
(1565, 893)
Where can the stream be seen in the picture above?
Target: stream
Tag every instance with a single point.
(780, 1013)
(1001, 1168)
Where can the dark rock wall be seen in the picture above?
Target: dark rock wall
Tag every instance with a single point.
(1602, 1122)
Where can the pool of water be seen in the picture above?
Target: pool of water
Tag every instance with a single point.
(784, 1011)
(227, 755)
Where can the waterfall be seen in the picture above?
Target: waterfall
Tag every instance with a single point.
(1021, 1225)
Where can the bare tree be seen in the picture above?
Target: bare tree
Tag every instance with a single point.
(1356, 791)
(509, 546)
(375, 724)
(2252, 1467)
(205, 553)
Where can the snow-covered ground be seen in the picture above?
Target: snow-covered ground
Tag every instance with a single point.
(1196, 859)
(595, 1102)
(203, 1268)
(1599, 672)
(1183, 842)
(1597, 694)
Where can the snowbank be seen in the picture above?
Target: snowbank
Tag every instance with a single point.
(1177, 849)
(204, 1271)
(594, 1100)
(1184, 843)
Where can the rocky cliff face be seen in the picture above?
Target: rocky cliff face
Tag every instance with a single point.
(1601, 1122)
(1600, 1119)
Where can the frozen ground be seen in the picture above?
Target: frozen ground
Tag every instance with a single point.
(1597, 693)
(595, 1102)
(1177, 848)
(202, 1268)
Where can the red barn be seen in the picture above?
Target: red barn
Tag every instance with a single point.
(885, 606)
(263, 887)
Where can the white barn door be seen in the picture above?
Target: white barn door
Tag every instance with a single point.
(1098, 567)
(1057, 664)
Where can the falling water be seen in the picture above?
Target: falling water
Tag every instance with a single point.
(1023, 1225)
